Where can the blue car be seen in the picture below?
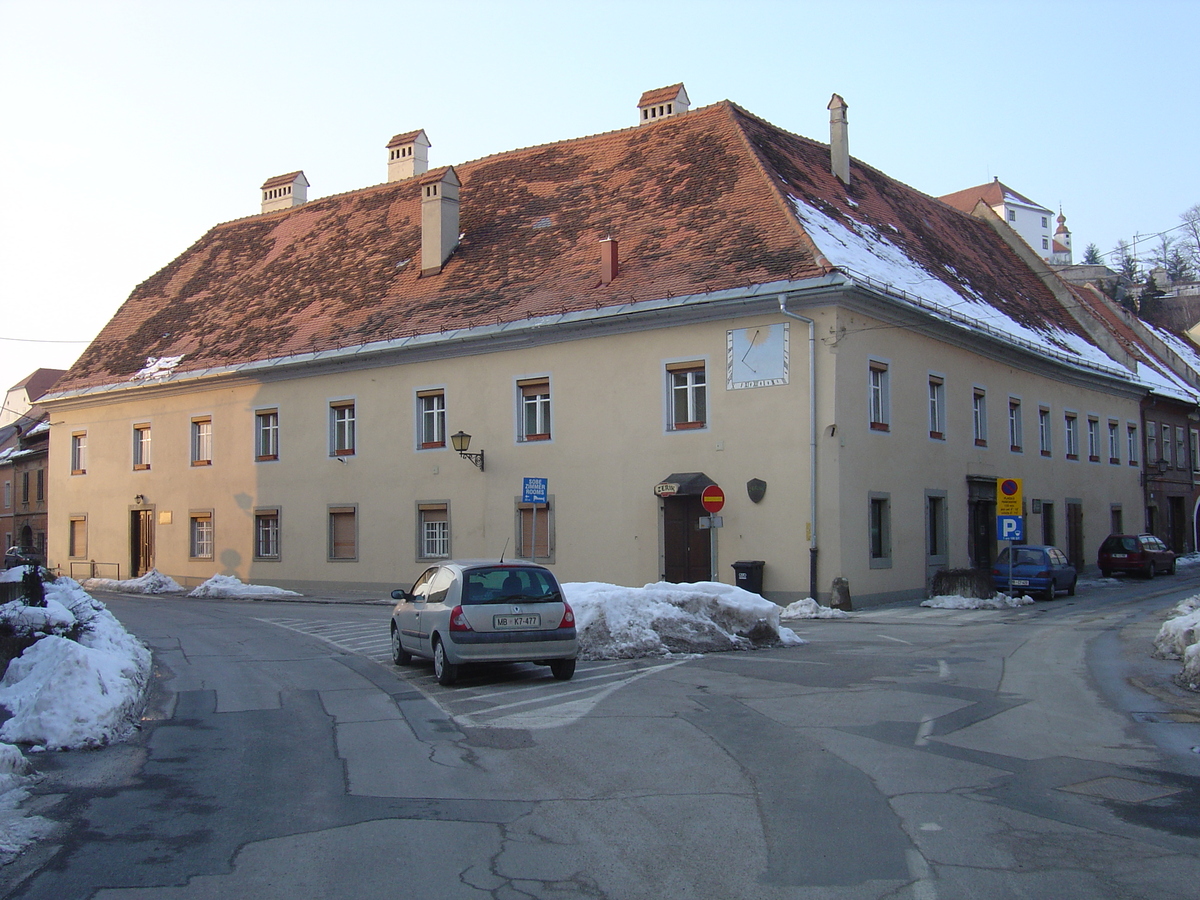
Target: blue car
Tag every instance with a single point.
(1037, 569)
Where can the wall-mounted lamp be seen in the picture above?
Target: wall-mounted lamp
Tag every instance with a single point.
(460, 441)
(139, 500)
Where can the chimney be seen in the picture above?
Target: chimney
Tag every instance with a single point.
(839, 139)
(439, 218)
(408, 155)
(608, 260)
(284, 191)
(662, 104)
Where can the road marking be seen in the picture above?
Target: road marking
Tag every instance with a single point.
(924, 731)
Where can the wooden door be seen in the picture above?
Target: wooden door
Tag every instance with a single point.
(687, 549)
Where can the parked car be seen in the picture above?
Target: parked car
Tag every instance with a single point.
(474, 611)
(1141, 553)
(21, 556)
(1036, 569)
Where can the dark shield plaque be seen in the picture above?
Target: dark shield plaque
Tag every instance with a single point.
(756, 488)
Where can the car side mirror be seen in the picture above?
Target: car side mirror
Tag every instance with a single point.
(401, 595)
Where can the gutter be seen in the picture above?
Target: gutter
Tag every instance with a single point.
(812, 440)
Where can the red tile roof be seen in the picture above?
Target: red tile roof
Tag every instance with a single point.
(660, 95)
(699, 203)
(993, 193)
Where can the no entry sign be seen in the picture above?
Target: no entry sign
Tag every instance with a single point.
(712, 499)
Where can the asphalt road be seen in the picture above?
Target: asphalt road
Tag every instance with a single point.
(902, 753)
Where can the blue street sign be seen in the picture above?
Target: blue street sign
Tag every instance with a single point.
(533, 490)
(1010, 528)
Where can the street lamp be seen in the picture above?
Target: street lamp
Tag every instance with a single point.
(460, 441)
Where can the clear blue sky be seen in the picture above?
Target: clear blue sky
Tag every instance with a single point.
(129, 127)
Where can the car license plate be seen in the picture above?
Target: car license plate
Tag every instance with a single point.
(1020, 582)
(1119, 555)
(512, 621)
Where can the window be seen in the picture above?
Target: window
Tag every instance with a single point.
(1015, 430)
(41, 485)
(1045, 222)
(937, 408)
(141, 446)
(1012, 215)
(1166, 445)
(1151, 444)
(1132, 443)
(979, 416)
(936, 538)
(77, 538)
(79, 453)
(8, 497)
(689, 398)
(202, 442)
(535, 409)
(535, 530)
(1045, 243)
(878, 395)
(1195, 447)
(434, 525)
(1044, 441)
(880, 531)
(1180, 448)
(266, 534)
(25, 487)
(266, 434)
(432, 406)
(1114, 442)
(201, 531)
(1072, 436)
(341, 428)
(1093, 435)
(343, 533)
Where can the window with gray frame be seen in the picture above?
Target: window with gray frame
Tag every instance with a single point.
(880, 530)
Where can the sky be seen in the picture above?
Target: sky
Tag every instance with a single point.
(128, 128)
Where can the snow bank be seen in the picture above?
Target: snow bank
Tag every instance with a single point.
(230, 586)
(66, 693)
(617, 622)
(1179, 638)
(153, 582)
(808, 608)
(999, 601)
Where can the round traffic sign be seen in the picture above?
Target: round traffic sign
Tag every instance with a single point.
(1009, 487)
(712, 499)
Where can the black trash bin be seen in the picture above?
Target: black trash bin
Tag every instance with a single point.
(748, 575)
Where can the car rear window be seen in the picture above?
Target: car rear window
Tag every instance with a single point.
(1120, 544)
(508, 583)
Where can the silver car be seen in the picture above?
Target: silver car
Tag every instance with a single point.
(480, 611)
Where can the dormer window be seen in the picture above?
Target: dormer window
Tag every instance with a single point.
(284, 191)
(408, 155)
(663, 103)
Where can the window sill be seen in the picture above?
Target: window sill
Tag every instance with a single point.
(1093, 459)
(270, 458)
(1046, 453)
(1073, 456)
(201, 462)
(535, 437)
(1114, 461)
(79, 471)
(980, 442)
(937, 436)
(141, 467)
(342, 453)
(687, 426)
(880, 426)
(433, 445)
(1016, 448)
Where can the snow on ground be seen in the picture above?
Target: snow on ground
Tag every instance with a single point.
(617, 622)
(1179, 638)
(80, 685)
(230, 586)
(999, 601)
(808, 608)
(153, 582)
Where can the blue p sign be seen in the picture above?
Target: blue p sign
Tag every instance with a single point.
(1010, 528)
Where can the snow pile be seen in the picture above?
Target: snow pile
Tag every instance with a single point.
(17, 831)
(157, 368)
(66, 693)
(153, 582)
(230, 586)
(615, 622)
(999, 601)
(808, 608)
(1179, 638)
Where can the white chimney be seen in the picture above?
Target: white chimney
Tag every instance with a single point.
(662, 104)
(839, 139)
(439, 218)
(284, 191)
(408, 155)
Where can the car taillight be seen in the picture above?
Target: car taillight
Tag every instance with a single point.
(1045, 573)
(568, 619)
(458, 620)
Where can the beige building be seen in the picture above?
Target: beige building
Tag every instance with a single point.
(632, 317)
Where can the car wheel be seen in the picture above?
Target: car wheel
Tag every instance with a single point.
(1150, 569)
(444, 671)
(400, 656)
(1071, 589)
(1171, 571)
(1106, 573)
(562, 669)
(1051, 589)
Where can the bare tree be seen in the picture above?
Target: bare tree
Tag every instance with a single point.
(1191, 234)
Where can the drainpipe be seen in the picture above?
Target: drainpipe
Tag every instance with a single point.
(812, 439)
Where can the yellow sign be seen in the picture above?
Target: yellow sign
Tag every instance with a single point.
(1008, 497)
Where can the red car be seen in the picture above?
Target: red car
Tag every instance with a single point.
(1141, 553)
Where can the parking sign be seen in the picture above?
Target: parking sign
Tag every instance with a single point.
(1010, 528)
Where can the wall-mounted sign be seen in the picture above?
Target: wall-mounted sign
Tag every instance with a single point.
(666, 489)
